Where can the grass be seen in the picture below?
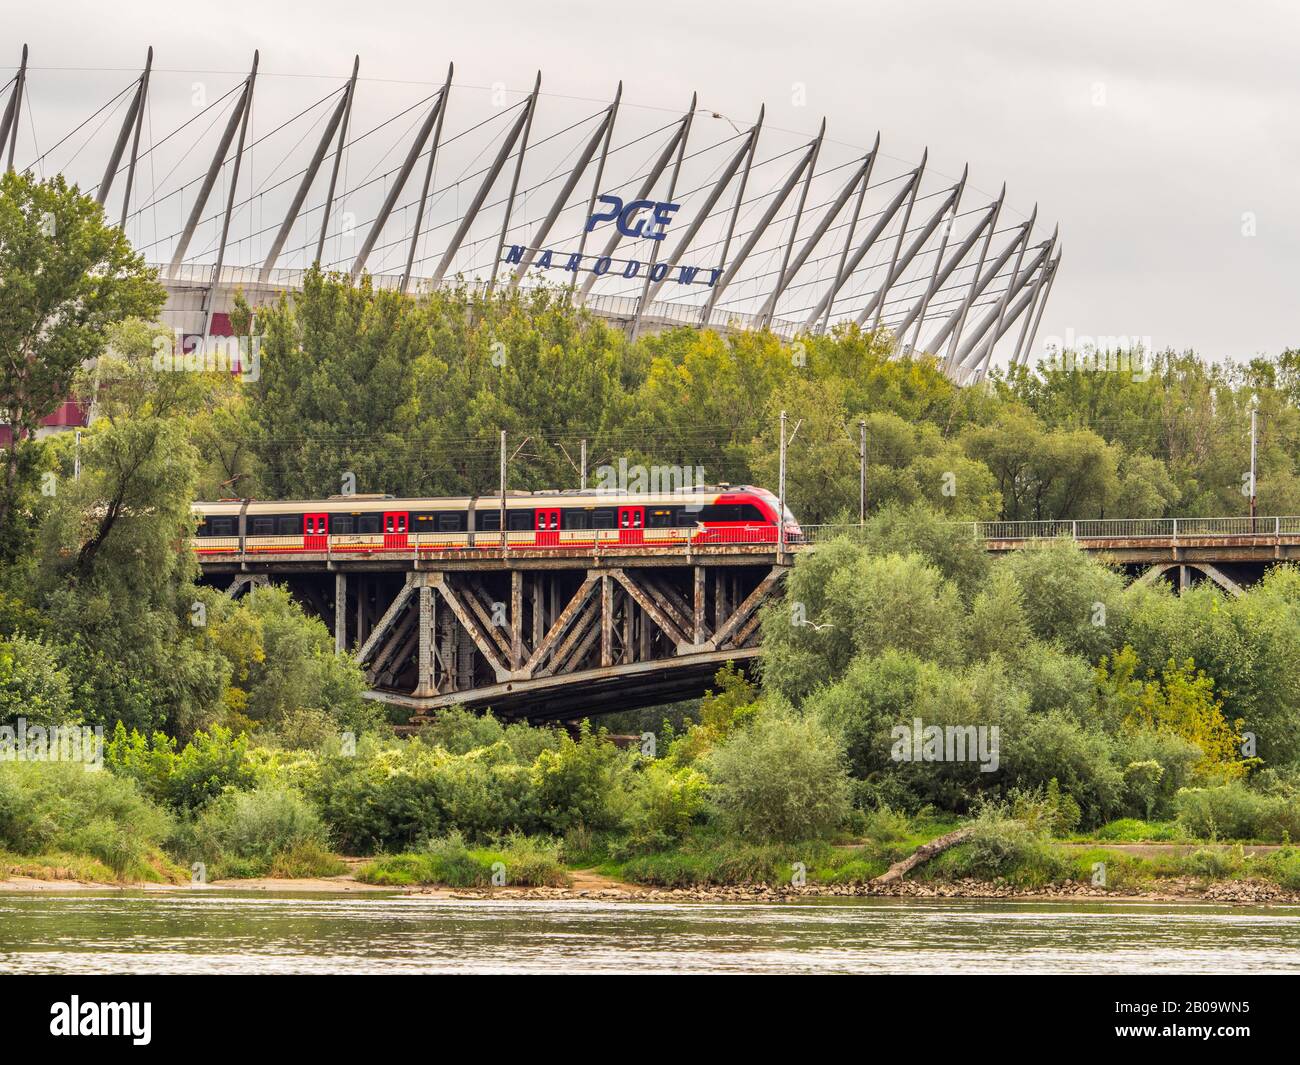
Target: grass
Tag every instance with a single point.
(515, 861)
(155, 868)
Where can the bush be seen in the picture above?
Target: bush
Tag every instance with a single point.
(1001, 847)
(209, 765)
(781, 779)
(1234, 811)
(62, 806)
(579, 783)
(664, 803)
(244, 832)
(516, 861)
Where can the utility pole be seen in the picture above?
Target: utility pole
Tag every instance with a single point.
(504, 541)
(582, 461)
(862, 471)
(76, 460)
(1254, 441)
(780, 499)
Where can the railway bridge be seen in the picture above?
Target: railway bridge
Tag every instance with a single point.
(561, 633)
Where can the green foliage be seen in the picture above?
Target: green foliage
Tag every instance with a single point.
(63, 806)
(782, 779)
(515, 860)
(242, 833)
(209, 765)
(32, 684)
(1235, 812)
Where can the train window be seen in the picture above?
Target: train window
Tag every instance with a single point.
(520, 520)
(602, 518)
(288, 524)
(263, 526)
(660, 519)
(451, 521)
(341, 523)
(218, 527)
(577, 519)
(367, 523)
(690, 515)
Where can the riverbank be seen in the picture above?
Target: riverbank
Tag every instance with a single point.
(592, 886)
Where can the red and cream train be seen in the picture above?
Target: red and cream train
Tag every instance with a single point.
(559, 519)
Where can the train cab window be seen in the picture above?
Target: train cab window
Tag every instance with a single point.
(263, 526)
(661, 518)
(341, 523)
(602, 518)
(367, 523)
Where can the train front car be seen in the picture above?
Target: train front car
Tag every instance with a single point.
(561, 520)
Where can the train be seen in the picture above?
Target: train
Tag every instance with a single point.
(560, 519)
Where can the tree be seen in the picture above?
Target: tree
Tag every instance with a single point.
(65, 277)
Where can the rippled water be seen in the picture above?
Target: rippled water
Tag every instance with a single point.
(217, 931)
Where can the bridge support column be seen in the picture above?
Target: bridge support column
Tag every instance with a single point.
(340, 612)
(516, 619)
(426, 684)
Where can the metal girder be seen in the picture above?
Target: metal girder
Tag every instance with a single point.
(1038, 286)
(660, 617)
(852, 263)
(233, 125)
(970, 354)
(230, 200)
(877, 301)
(788, 271)
(13, 111)
(309, 175)
(902, 234)
(428, 180)
(561, 624)
(977, 288)
(328, 206)
(595, 184)
(954, 260)
(1015, 272)
(660, 165)
(399, 183)
(481, 195)
(757, 232)
(601, 135)
(741, 614)
(130, 124)
(765, 313)
(932, 287)
(863, 181)
(745, 152)
(486, 648)
(1052, 267)
(654, 249)
(380, 630)
(514, 181)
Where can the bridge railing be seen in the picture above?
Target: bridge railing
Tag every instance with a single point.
(1100, 528)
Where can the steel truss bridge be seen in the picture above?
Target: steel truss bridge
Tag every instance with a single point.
(563, 633)
(243, 181)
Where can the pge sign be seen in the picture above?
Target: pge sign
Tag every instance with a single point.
(622, 214)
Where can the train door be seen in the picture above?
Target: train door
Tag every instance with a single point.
(395, 526)
(546, 524)
(631, 525)
(315, 532)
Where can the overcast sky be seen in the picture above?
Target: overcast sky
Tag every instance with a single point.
(1159, 134)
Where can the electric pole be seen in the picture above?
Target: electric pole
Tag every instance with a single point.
(582, 461)
(1254, 441)
(504, 542)
(780, 501)
(862, 471)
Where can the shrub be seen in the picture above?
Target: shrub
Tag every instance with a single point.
(245, 831)
(61, 806)
(664, 803)
(781, 779)
(1234, 811)
(579, 782)
(516, 861)
(306, 860)
(210, 764)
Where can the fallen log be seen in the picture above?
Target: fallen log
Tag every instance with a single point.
(923, 853)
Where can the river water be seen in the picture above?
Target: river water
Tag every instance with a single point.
(242, 932)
